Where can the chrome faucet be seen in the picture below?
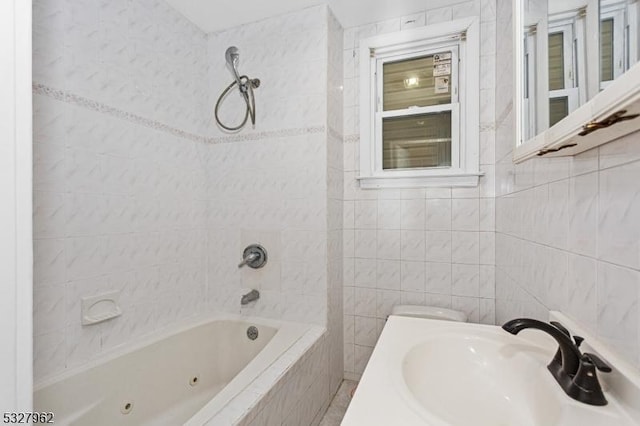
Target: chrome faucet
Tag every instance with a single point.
(250, 297)
(249, 259)
(254, 256)
(575, 372)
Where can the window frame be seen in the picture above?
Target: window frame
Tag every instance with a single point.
(617, 12)
(453, 106)
(571, 92)
(374, 52)
(529, 77)
(535, 113)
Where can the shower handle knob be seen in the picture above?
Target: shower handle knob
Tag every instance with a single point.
(254, 256)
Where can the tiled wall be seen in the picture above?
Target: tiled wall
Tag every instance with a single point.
(280, 184)
(568, 229)
(334, 201)
(431, 246)
(270, 185)
(139, 56)
(299, 396)
(119, 182)
(136, 188)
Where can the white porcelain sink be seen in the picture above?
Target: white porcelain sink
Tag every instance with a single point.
(495, 382)
(426, 372)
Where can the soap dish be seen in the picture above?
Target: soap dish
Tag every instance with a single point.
(101, 307)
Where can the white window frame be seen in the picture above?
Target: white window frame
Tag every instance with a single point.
(535, 115)
(453, 106)
(566, 26)
(617, 11)
(529, 48)
(464, 170)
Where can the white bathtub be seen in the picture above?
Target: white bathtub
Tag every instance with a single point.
(188, 376)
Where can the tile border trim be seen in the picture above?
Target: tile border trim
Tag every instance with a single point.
(73, 99)
(81, 101)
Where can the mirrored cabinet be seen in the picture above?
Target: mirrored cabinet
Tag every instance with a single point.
(577, 74)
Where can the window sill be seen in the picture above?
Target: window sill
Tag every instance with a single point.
(444, 180)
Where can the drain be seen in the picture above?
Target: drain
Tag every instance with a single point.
(252, 333)
(126, 407)
(194, 381)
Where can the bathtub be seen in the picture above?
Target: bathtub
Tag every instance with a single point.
(187, 376)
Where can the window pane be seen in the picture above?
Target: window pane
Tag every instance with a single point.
(556, 61)
(417, 141)
(606, 50)
(558, 109)
(411, 83)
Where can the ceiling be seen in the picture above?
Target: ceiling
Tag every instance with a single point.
(217, 15)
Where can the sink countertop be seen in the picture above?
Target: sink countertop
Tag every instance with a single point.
(399, 388)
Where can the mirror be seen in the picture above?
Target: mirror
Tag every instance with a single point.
(571, 50)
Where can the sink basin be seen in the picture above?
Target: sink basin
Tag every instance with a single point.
(439, 373)
(495, 382)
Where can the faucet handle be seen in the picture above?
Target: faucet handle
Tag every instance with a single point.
(585, 386)
(254, 256)
(597, 361)
(248, 259)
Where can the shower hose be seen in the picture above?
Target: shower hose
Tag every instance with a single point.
(246, 87)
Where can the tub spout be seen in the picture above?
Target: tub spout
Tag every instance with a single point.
(250, 297)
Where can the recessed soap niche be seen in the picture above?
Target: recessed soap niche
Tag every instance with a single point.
(101, 307)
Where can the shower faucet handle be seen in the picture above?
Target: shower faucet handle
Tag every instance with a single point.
(248, 259)
(254, 256)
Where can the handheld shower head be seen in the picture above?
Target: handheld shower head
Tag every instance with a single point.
(245, 86)
(232, 55)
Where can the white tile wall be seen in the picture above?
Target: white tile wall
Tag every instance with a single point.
(278, 191)
(568, 235)
(120, 205)
(433, 246)
(335, 204)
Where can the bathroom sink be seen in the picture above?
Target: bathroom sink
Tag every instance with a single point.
(494, 381)
(429, 372)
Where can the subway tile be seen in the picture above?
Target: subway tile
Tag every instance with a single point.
(415, 20)
(366, 214)
(438, 246)
(439, 278)
(583, 214)
(465, 280)
(413, 215)
(412, 245)
(412, 276)
(389, 244)
(582, 280)
(438, 214)
(366, 333)
(619, 208)
(388, 274)
(617, 301)
(465, 215)
(389, 214)
(465, 247)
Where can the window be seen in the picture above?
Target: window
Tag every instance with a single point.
(529, 86)
(618, 39)
(554, 74)
(419, 100)
(563, 87)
